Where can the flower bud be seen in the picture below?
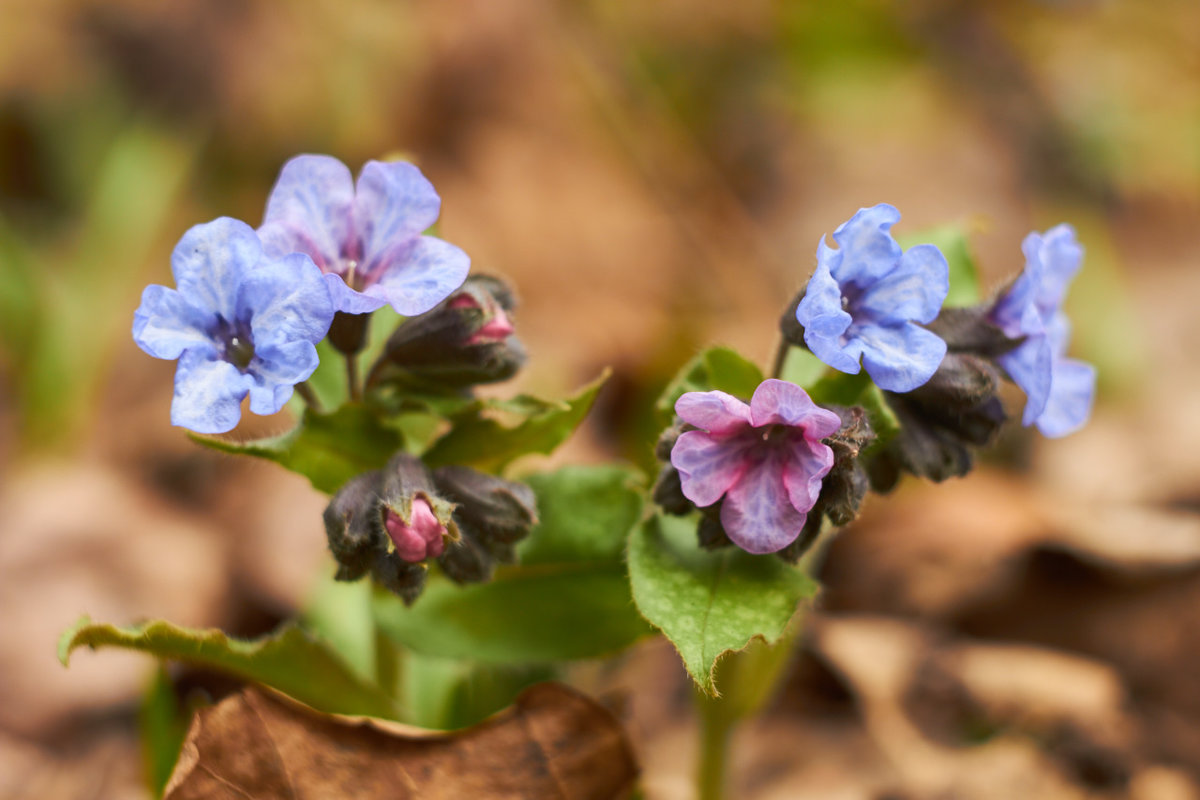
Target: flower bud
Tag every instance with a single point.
(969, 330)
(668, 492)
(419, 538)
(399, 576)
(351, 525)
(710, 532)
(465, 340)
(789, 326)
(490, 513)
(846, 483)
(388, 522)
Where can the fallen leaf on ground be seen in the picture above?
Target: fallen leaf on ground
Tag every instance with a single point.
(552, 743)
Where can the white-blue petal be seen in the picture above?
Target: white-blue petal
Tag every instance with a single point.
(285, 300)
(208, 393)
(275, 370)
(210, 262)
(166, 324)
(914, 290)
(1072, 389)
(868, 249)
(1029, 366)
(900, 358)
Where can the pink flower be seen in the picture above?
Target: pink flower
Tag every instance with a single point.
(421, 536)
(765, 459)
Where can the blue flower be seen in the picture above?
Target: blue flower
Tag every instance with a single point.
(240, 323)
(366, 238)
(1058, 390)
(865, 298)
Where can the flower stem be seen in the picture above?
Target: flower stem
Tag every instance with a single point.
(748, 679)
(308, 396)
(781, 353)
(716, 727)
(352, 383)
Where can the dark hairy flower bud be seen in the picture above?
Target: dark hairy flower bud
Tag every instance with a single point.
(789, 326)
(388, 522)
(844, 486)
(968, 330)
(465, 340)
(710, 533)
(668, 492)
(491, 515)
(352, 526)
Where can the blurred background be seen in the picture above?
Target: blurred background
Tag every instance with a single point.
(653, 177)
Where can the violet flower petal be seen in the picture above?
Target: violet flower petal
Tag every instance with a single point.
(757, 514)
(716, 412)
(309, 211)
(708, 465)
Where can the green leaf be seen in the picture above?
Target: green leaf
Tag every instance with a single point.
(709, 603)
(327, 448)
(802, 367)
(716, 368)
(585, 514)
(484, 443)
(568, 599)
(290, 660)
(955, 246)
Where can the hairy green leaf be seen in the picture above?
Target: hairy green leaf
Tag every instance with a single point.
(289, 660)
(483, 442)
(327, 448)
(709, 603)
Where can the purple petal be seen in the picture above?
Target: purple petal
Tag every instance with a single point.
(900, 358)
(716, 412)
(208, 393)
(309, 211)
(777, 402)
(809, 462)
(276, 370)
(394, 203)
(709, 465)
(757, 513)
(166, 324)
(1029, 366)
(416, 277)
(285, 300)
(211, 261)
(868, 250)
(1069, 405)
(914, 290)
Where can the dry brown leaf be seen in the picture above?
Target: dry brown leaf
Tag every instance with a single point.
(552, 743)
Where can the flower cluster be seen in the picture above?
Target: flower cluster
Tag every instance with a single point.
(765, 476)
(249, 307)
(391, 522)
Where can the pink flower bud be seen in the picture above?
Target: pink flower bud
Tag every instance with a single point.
(421, 537)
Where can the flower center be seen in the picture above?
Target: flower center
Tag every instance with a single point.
(238, 346)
